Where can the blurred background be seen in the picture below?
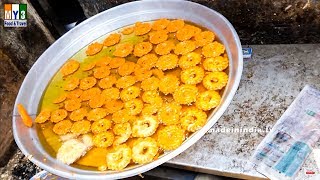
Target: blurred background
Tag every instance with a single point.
(257, 22)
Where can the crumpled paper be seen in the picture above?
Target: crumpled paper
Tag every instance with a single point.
(283, 151)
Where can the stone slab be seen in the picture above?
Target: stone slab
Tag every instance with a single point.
(271, 80)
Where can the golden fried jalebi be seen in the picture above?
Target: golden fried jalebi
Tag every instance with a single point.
(43, 116)
(72, 104)
(87, 83)
(141, 73)
(187, 32)
(201, 88)
(142, 28)
(96, 114)
(62, 127)
(70, 67)
(169, 113)
(189, 60)
(185, 47)
(148, 61)
(142, 48)
(132, 119)
(112, 39)
(81, 127)
(150, 96)
(125, 81)
(102, 168)
(123, 132)
(134, 106)
(94, 48)
(113, 106)
(168, 99)
(168, 61)
(103, 139)
(217, 63)
(88, 67)
(164, 47)
(193, 75)
(122, 128)
(194, 29)
(184, 34)
(58, 115)
(127, 30)
(101, 72)
(157, 37)
(157, 102)
(145, 89)
(126, 68)
(107, 82)
(149, 109)
(78, 114)
(121, 116)
(175, 25)
(129, 93)
(111, 93)
(186, 94)
(104, 61)
(193, 119)
(213, 49)
(88, 94)
(119, 158)
(203, 38)
(158, 73)
(75, 94)
(101, 125)
(144, 150)
(150, 84)
(215, 80)
(97, 101)
(87, 140)
(71, 150)
(170, 137)
(123, 50)
(71, 84)
(116, 62)
(60, 99)
(208, 100)
(131, 141)
(144, 126)
(169, 84)
(160, 24)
